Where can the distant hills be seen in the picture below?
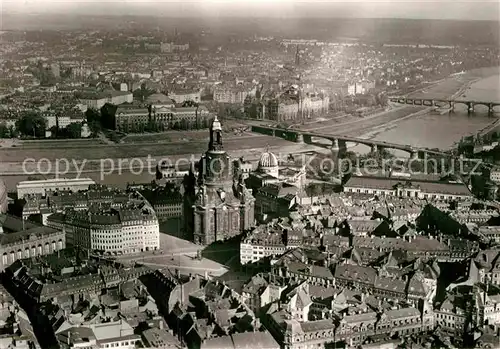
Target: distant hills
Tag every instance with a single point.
(373, 30)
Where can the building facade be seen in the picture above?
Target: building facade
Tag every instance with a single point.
(409, 188)
(184, 95)
(42, 187)
(115, 231)
(97, 100)
(30, 242)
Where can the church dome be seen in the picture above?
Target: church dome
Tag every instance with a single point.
(268, 159)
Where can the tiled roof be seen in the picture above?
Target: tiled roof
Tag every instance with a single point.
(386, 183)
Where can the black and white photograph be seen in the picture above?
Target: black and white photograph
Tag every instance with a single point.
(249, 174)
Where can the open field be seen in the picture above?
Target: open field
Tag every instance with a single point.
(57, 143)
(147, 137)
(133, 150)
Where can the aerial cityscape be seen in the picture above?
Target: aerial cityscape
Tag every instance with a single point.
(249, 175)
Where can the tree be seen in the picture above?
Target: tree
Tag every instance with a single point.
(32, 124)
(54, 130)
(4, 131)
(93, 120)
(74, 130)
(189, 104)
(13, 131)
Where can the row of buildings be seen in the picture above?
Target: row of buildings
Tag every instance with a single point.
(291, 105)
(130, 229)
(20, 239)
(162, 113)
(96, 218)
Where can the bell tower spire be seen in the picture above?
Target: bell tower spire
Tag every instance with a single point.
(215, 136)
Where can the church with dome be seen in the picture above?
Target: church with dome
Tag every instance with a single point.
(217, 204)
(272, 171)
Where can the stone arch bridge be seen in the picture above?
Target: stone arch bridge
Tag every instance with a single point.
(338, 142)
(437, 102)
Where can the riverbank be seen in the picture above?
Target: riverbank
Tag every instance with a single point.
(413, 125)
(142, 170)
(393, 124)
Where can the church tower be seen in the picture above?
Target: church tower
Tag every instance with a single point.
(297, 57)
(216, 209)
(215, 163)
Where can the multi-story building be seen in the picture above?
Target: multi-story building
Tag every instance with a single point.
(27, 240)
(488, 308)
(44, 187)
(352, 328)
(360, 87)
(491, 233)
(297, 106)
(126, 230)
(118, 334)
(169, 172)
(185, 95)
(128, 119)
(406, 187)
(166, 201)
(259, 245)
(86, 286)
(161, 116)
(311, 105)
(495, 175)
(216, 207)
(98, 99)
(262, 290)
(283, 109)
(276, 199)
(62, 119)
(61, 200)
(452, 315)
(169, 47)
(234, 94)
(180, 117)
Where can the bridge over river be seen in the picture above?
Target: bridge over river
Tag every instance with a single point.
(338, 142)
(423, 99)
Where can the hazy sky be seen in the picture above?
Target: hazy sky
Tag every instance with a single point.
(439, 9)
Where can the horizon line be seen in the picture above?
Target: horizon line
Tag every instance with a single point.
(3, 13)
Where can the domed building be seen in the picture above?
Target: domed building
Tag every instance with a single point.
(271, 171)
(268, 164)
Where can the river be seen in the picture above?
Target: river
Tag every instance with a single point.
(430, 130)
(433, 130)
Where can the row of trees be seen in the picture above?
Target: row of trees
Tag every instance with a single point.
(73, 130)
(8, 131)
(34, 125)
